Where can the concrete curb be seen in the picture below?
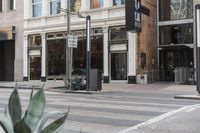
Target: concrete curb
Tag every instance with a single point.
(192, 97)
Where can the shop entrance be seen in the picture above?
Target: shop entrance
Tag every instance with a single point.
(118, 66)
(7, 57)
(173, 58)
(35, 68)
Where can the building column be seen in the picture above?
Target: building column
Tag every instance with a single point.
(25, 61)
(85, 5)
(27, 9)
(45, 7)
(105, 56)
(132, 57)
(43, 63)
(107, 3)
(64, 4)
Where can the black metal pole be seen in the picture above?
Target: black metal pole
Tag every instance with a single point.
(88, 57)
(197, 8)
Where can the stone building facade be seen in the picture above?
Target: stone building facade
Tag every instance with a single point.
(11, 40)
(118, 54)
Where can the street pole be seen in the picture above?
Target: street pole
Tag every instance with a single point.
(88, 58)
(197, 8)
(68, 49)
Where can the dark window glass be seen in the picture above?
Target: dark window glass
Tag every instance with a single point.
(176, 34)
(118, 33)
(11, 4)
(56, 51)
(79, 54)
(35, 40)
(175, 9)
(1, 5)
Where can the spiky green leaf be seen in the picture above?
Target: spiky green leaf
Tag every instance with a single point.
(3, 127)
(6, 122)
(35, 109)
(22, 127)
(14, 107)
(55, 126)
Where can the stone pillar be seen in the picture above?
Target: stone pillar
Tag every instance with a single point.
(132, 57)
(105, 56)
(27, 9)
(25, 61)
(43, 63)
(107, 3)
(45, 7)
(64, 4)
(85, 5)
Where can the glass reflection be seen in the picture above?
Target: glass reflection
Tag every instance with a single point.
(96, 3)
(118, 2)
(75, 5)
(56, 57)
(175, 9)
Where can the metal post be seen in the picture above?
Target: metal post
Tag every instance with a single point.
(198, 46)
(88, 58)
(68, 50)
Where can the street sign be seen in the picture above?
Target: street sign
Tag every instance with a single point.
(72, 41)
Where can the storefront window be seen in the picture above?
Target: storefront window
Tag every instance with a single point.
(37, 8)
(56, 57)
(176, 34)
(118, 2)
(175, 9)
(97, 52)
(35, 40)
(75, 5)
(96, 4)
(118, 33)
(79, 54)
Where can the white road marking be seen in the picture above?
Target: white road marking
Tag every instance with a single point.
(156, 119)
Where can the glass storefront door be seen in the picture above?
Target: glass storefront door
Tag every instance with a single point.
(35, 68)
(118, 66)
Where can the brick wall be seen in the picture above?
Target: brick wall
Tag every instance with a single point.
(147, 39)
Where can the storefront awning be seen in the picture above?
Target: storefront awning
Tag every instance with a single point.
(7, 33)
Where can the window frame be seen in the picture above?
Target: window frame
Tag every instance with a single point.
(39, 2)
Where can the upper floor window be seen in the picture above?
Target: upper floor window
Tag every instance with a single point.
(54, 7)
(96, 4)
(175, 9)
(37, 8)
(75, 5)
(11, 4)
(1, 9)
(118, 2)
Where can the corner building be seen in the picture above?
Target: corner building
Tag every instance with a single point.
(120, 55)
(176, 42)
(11, 40)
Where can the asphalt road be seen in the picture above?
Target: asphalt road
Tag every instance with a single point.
(117, 108)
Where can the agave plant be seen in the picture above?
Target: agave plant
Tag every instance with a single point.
(34, 120)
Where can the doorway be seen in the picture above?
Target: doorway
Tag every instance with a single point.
(35, 68)
(170, 59)
(118, 66)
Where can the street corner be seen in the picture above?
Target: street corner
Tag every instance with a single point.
(185, 119)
